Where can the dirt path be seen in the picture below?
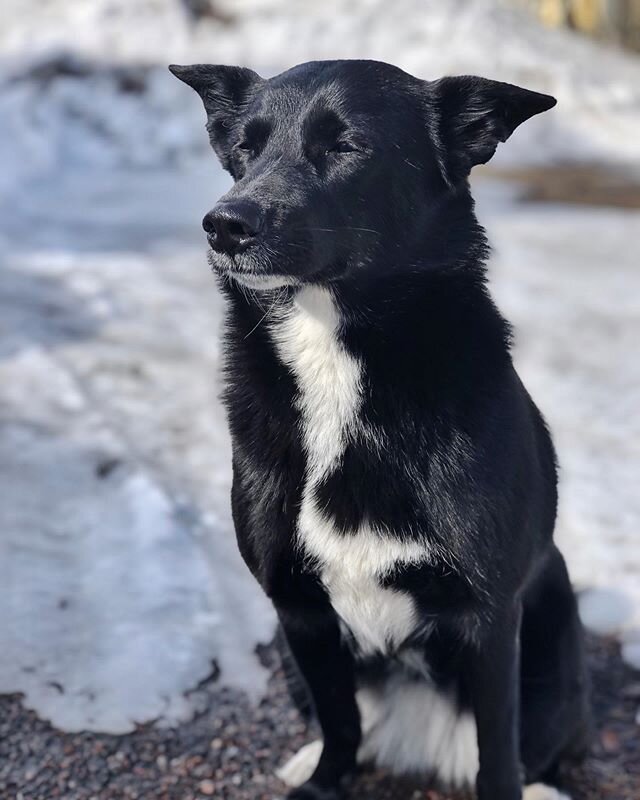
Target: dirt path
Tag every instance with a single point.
(598, 185)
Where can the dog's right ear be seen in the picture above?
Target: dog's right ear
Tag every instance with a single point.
(224, 91)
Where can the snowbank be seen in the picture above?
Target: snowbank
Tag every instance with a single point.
(86, 83)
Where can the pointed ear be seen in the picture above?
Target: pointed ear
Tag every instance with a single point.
(224, 91)
(472, 115)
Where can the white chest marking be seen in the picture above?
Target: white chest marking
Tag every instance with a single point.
(329, 382)
(328, 378)
(352, 564)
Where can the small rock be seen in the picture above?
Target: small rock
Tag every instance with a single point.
(610, 741)
(207, 787)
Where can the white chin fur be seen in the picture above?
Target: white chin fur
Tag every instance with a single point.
(263, 283)
(540, 791)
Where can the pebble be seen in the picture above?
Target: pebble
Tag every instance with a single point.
(207, 787)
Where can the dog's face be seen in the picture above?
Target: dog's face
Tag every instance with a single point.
(340, 165)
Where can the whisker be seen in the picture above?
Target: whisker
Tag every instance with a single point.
(340, 228)
(279, 296)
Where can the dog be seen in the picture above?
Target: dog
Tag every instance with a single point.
(394, 485)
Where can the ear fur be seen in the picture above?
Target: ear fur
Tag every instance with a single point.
(224, 90)
(472, 115)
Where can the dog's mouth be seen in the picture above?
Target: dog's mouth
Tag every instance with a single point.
(264, 283)
(247, 271)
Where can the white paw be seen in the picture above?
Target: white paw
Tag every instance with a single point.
(540, 791)
(301, 767)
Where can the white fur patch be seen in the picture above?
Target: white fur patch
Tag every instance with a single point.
(409, 728)
(328, 378)
(351, 567)
(540, 791)
(301, 767)
(262, 283)
(329, 382)
(412, 728)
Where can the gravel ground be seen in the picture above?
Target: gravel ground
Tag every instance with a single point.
(231, 749)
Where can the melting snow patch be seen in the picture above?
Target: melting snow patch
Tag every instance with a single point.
(104, 593)
(107, 592)
(605, 611)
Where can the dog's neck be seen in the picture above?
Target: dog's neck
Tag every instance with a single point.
(430, 294)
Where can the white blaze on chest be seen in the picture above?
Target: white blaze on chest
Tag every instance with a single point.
(327, 376)
(352, 565)
(329, 383)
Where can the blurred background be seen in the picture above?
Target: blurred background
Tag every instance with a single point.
(133, 657)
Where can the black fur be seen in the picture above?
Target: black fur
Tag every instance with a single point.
(353, 176)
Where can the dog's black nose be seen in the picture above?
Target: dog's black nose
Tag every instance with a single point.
(233, 224)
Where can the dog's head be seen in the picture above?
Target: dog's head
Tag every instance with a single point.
(339, 165)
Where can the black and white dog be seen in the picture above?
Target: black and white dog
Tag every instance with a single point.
(394, 486)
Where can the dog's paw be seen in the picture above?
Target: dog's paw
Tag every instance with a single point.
(540, 791)
(309, 791)
(301, 767)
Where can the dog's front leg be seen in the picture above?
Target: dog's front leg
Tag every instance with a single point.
(495, 684)
(327, 666)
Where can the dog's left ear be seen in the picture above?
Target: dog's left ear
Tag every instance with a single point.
(469, 116)
(224, 90)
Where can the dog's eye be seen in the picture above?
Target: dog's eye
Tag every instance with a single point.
(245, 146)
(341, 147)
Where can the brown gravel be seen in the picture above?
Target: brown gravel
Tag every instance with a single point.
(230, 750)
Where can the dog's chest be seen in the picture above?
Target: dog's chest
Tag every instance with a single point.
(351, 564)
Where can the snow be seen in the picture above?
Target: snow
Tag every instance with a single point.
(606, 610)
(91, 120)
(120, 580)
